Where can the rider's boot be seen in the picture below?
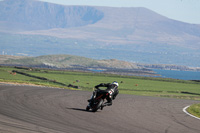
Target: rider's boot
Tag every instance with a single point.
(102, 106)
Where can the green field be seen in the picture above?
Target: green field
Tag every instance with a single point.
(134, 85)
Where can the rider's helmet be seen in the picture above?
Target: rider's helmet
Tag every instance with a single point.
(115, 83)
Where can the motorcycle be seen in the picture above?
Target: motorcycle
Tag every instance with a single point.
(97, 100)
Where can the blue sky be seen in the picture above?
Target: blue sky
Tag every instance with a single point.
(182, 10)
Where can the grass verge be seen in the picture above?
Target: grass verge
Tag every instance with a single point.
(194, 110)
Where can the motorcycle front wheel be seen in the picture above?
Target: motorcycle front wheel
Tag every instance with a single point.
(97, 105)
(87, 108)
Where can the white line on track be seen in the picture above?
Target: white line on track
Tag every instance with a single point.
(185, 110)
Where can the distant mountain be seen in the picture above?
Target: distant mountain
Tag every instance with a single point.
(35, 15)
(32, 27)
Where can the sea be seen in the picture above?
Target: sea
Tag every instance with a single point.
(175, 74)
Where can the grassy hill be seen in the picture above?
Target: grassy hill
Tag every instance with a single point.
(66, 61)
(72, 61)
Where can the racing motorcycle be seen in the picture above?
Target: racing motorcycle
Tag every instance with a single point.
(97, 99)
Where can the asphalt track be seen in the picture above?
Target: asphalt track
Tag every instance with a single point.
(26, 109)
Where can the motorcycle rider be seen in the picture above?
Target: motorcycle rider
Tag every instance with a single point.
(112, 89)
